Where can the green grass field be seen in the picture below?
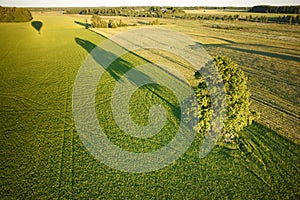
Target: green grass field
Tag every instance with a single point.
(42, 156)
(268, 53)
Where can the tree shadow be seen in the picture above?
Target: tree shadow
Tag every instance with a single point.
(37, 25)
(257, 52)
(143, 23)
(264, 50)
(119, 67)
(86, 25)
(137, 55)
(87, 45)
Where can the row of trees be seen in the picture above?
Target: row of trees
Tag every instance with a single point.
(152, 11)
(98, 22)
(288, 19)
(276, 9)
(175, 12)
(8, 14)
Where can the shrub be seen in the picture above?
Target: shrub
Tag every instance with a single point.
(154, 22)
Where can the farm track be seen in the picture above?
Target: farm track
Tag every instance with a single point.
(64, 148)
(23, 99)
(275, 107)
(264, 151)
(270, 77)
(283, 122)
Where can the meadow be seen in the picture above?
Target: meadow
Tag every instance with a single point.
(43, 157)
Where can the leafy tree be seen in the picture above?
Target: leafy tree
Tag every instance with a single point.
(236, 17)
(238, 112)
(266, 19)
(112, 24)
(154, 22)
(214, 18)
(290, 20)
(8, 14)
(121, 23)
(97, 22)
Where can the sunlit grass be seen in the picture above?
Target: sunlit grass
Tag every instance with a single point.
(43, 157)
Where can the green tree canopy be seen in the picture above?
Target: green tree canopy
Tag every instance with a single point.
(8, 14)
(238, 112)
(97, 22)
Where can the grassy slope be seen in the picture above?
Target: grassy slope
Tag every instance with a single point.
(42, 156)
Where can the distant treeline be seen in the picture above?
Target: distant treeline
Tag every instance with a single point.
(215, 8)
(276, 9)
(8, 14)
(285, 19)
(151, 11)
(98, 22)
(175, 12)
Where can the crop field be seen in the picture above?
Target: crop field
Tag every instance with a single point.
(42, 156)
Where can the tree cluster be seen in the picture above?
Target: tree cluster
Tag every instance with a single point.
(8, 14)
(98, 22)
(238, 112)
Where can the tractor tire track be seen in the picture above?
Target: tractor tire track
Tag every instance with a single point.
(63, 148)
(275, 107)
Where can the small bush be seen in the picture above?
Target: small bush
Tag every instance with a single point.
(112, 24)
(154, 22)
(122, 24)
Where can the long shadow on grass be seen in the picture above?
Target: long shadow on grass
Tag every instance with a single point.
(229, 42)
(263, 53)
(144, 59)
(86, 25)
(268, 155)
(120, 67)
(117, 69)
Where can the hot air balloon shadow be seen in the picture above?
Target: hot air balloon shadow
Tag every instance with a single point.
(37, 25)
